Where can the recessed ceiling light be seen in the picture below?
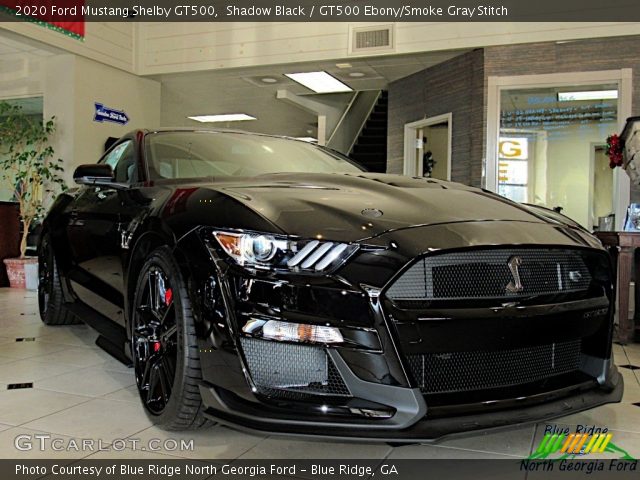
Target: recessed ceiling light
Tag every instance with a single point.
(588, 95)
(319, 82)
(226, 117)
(268, 80)
(356, 74)
(343, 65)
(307, 139)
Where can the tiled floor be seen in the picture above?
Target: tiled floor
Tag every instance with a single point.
(80, 392)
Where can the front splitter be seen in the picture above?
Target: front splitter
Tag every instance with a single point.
(223, 409)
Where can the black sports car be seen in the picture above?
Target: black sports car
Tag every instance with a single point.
(274, 285)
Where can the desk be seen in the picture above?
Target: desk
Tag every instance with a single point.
(622, 246)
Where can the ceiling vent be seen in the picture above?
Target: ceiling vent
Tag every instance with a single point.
(373, 38)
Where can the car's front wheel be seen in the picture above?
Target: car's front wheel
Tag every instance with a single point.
(164, 346)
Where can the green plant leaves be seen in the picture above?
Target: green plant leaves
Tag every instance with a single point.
(27, 163)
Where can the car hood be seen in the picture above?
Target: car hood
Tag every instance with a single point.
(352, 207)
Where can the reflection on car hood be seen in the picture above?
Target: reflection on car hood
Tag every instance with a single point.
(350, 207)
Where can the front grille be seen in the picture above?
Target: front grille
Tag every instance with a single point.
(291, 370)
(480, 370)
(484, 274)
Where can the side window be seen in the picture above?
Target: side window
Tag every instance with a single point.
(122, 161)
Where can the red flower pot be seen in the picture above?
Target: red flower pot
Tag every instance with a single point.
(15, 270)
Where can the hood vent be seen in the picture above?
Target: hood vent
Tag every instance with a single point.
(371, 39)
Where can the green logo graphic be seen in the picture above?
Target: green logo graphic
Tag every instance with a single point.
(577, 444)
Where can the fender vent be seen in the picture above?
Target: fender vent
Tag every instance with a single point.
(371, 39)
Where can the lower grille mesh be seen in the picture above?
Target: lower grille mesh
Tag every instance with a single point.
(291, 370)
(466, 371)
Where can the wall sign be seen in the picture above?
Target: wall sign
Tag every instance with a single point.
(106, 114)
(514, 148)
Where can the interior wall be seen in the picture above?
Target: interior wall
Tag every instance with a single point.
(59, 83)
(70, 94)
(20, 76)
(437, 143)
(192, 46)
(602, 185)
(454, 86)
(148, 48)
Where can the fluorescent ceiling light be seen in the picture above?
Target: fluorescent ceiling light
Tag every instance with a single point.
(588, 95)
(319, 82)
(307, 139)
(226, 117)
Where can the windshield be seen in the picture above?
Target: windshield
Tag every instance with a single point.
(223, 154)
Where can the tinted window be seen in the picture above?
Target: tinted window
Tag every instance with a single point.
(122, 160)
(221, 154)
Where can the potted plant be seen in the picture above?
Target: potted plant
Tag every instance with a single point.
(31, 173)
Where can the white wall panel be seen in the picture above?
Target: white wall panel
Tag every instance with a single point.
(181, 47)
(156, 48)
(203, 46)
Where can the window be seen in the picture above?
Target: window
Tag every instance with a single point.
(122, 160)
(547, 148)
(217, 154)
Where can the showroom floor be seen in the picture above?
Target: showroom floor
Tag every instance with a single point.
(79, 391)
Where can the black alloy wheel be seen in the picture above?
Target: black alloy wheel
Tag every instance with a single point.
(164, 346)
(45, 275)
(155, 340)
(51, 305)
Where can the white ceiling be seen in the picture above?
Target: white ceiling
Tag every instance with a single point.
(242, 91)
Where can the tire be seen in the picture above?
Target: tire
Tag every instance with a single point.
(50, 296)
(164, 346)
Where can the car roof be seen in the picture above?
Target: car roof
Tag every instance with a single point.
(211, 130)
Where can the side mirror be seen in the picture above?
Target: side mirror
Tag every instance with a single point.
(93, 173)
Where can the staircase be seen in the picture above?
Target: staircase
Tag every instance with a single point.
(370, 150)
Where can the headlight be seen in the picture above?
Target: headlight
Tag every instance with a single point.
(260, 250)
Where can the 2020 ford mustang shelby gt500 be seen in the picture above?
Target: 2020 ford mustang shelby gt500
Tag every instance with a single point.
(273, 284)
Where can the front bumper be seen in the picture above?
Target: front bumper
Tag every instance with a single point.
(228, 409)
(384, 400)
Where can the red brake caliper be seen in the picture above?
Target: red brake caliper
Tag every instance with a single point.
(168, 296)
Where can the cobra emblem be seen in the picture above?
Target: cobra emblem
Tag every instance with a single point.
(515, 285)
